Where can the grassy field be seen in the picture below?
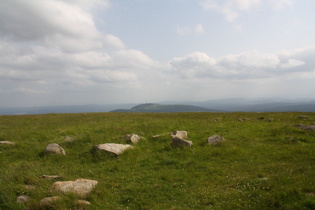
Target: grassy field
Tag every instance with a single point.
(262, 165)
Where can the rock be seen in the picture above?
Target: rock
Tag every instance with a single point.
(133, 138)
(241, 120)
(55, 149)
(7, 142)
(23, 199)
(216, 120)
(260, 118)
(112, 148)
(178, 142)
(51, 177)
(180, 134)
(306, 127)
(49, 201)
(269, 120)
(303, 117)
(81, 187)
(83, 202)
(69, 139)
(215, 139)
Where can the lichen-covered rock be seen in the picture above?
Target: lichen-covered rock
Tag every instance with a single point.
(133, 138)
(215, 139)
(112, 148)
(179, 134)
(81, 187)
(178, 142)
(55, 149)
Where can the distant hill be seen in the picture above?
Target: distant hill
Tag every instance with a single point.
(166, 108)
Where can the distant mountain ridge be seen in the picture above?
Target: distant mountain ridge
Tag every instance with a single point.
(153, 107)
(218, 105)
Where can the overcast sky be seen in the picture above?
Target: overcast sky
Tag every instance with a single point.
(67, 52)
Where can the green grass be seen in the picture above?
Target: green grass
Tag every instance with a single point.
(257, 167)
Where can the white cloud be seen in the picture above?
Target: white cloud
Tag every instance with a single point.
(184, 31)
(243, 66)
(279, 4)
(231, 9)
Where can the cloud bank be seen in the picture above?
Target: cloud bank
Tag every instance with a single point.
(53, 53)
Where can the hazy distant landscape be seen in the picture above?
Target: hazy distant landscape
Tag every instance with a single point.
(220, 105)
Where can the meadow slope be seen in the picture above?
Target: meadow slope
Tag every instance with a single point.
(264, 164)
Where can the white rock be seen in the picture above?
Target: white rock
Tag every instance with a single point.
(180, 134)
(81, 187)
(7, 142)
(112, 148)
(55, 149)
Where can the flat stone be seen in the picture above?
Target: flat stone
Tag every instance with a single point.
(49, 201)
(55, 149)
(306, 127)
(83, 202)
(23, 199)
(112, 148)
(51, 177)
(215, 139)
(302, 117)
(178, 142)
(69, 139)
(180, 134)
(7, 142)
(81, 187)
(133, 138)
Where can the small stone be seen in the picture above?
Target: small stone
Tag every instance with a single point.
(178, 142)
(55, 149)
(69, 139)
(7, 142)
(51, 177)
(133, 138)
(23, 199)
(215, 139)
(81, 187)
(112, 148)
(306, 127)
(83, 202)
(302, 117)
(49, 201)
(180, 134)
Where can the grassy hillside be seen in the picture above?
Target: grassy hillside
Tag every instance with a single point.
(264, 164)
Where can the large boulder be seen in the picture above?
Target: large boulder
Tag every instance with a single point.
(80, 187)
(215, 139)
(179, 134)
(133, 138)
(7, 142)
(112, 148)
(55, 149)
(178, 142)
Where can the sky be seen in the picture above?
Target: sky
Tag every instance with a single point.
(71, 52)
